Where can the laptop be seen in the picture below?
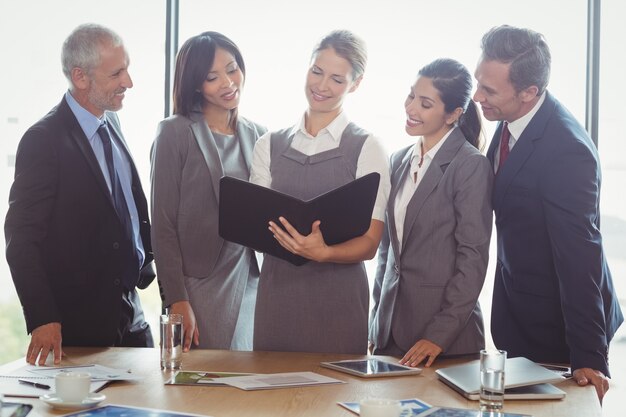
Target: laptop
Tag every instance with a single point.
(524, 380)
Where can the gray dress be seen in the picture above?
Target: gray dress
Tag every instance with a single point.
(316, 307)
(234, 260)
(193, 262)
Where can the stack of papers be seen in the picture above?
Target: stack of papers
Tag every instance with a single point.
(34, 381)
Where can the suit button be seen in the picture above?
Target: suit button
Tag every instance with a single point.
(116, 282)
(116, 245)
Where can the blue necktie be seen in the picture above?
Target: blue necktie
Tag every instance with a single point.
(119, 201)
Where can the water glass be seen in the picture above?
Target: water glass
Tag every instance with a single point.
(171, 341)
(492, 380)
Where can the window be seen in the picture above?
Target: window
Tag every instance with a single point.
(276, 38)
(611, 144)
(33, 83)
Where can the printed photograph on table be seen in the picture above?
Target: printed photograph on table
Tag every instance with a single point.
(11, 409)
(410, 407)
(201, 378)
(463, 412)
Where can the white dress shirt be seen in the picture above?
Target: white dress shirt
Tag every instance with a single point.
(89, 123)
(408, 187)
(373, 157)
(516, 128)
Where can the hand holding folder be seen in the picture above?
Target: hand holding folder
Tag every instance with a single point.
(245, 210)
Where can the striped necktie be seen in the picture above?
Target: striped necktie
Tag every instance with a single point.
(121, 207)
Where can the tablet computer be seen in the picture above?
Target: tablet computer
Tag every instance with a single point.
(371, 368)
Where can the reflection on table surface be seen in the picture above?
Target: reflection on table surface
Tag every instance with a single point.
(318, 401)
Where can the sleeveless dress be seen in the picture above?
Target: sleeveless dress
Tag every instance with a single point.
(234, 260)
(316, 307)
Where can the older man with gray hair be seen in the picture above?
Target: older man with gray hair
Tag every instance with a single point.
(77, 229)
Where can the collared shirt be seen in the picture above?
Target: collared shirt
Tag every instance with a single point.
(516, 128)
(408, 187)
(90, 124)
(373, 157)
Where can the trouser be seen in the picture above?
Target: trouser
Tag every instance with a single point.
(133, 330)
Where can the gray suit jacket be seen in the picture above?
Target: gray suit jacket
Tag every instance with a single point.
(185, 192)
(429, 289)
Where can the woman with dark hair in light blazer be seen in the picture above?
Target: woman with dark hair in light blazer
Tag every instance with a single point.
(433, 256)
(211, 282)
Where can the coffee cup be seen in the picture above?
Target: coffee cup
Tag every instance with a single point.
(72, 387)
(379, 407)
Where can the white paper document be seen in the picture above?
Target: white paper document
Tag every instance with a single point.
(282, 380)
(34, 381)
(97, 372)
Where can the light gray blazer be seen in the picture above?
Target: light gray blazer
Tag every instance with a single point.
(429, 289)
(185, 191)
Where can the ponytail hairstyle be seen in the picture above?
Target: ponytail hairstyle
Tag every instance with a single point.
(454, 83)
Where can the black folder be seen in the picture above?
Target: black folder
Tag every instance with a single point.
(246, 208)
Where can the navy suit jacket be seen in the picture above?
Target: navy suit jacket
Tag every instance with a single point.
(65, 243)
(553, 298)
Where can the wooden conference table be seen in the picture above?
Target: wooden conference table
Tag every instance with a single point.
(318, 401)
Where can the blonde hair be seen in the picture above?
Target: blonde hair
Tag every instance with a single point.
(348, 46)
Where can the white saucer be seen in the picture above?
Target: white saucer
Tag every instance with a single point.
(55, 402)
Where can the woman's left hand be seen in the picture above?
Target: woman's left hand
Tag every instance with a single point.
(311, 246)
(421, 350)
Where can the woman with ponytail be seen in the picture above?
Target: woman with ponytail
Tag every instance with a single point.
(433, 256)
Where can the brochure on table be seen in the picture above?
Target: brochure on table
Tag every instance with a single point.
(114, 410)
(281, 380)
(14, 409)
(202, 378)
(465, 412)
(410, 407)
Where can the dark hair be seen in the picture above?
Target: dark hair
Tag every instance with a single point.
(193, 63)
(526, 51)
(348, 46)
(454, 84)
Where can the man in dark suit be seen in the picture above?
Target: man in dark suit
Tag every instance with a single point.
(553, 298)
(77, 230)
